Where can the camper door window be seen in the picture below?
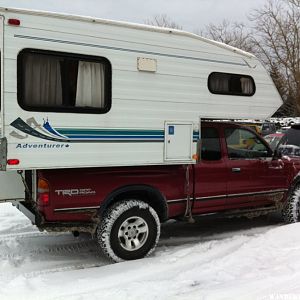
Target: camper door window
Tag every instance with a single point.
(62, 82)
(231, 84)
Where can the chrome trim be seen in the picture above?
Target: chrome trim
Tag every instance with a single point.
(211, 197)
(230, 195)
(176, 200)
(183, 200)
(76, 208)
(257, 193)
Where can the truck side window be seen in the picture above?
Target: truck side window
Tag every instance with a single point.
(63, 82)
(244, 144)
(210, 144)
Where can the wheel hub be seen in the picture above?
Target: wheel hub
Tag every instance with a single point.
(133, 233)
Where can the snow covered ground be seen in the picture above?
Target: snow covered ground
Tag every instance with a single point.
(212, 259)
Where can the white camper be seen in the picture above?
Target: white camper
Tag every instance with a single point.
(84, 92)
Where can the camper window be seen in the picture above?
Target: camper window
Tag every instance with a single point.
(51, 81)
(231, 84)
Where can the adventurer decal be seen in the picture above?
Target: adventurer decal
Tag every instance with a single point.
(42, 146)
(76, 135)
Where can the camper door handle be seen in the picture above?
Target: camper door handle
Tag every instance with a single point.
(236, 170)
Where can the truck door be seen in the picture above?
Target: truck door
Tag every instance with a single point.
(210, 173)
(247, 175)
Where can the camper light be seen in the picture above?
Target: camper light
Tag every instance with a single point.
(14, 22)
(13, 162)
(195, 157)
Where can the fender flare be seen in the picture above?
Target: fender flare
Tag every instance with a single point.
(157, 200)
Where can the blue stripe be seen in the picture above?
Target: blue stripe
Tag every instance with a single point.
(109, 131)
(129, 50)
(117, 135)
(114, 137)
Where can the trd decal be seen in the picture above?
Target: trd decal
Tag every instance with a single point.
(75, 192)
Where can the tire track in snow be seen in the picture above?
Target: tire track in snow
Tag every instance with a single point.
(75, 247)
(79, 266)
(29, 234)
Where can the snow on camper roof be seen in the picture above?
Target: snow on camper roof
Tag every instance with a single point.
(128, 25)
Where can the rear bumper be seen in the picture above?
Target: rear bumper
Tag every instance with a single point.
(27, 210)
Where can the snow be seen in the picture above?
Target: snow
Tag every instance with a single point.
(211, 259)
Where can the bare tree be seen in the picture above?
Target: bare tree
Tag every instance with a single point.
(233, 34)
(275, 39)
(163, 21)
(289, 107)
(277, 43)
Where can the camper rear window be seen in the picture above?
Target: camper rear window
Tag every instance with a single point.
(231, 84)
(60, 82)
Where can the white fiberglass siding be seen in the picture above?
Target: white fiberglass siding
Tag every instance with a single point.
(177, 91)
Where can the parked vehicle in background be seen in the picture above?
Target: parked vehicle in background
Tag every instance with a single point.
(283, 129)
(290, 143)
(273, 139)
(268, 128)
(289, 150)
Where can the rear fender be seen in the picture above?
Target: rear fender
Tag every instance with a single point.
(146, 193)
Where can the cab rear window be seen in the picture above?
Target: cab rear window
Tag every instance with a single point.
(210, 144)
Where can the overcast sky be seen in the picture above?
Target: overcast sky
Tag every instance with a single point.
(192, 15)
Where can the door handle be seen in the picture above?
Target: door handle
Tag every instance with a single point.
(236, 170)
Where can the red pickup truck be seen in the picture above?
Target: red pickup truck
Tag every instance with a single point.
(237, 174)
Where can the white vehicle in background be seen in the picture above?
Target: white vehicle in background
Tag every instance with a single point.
(273, 139)
(289, 144)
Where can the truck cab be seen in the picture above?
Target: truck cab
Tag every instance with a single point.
(237, 170)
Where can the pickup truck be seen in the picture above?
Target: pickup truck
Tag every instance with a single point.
(236, 174)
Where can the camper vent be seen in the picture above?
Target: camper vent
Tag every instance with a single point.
(146, 64)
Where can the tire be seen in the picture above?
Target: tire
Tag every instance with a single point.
(129, 230)
(291, 210)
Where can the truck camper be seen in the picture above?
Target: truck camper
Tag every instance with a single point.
(113, 110)
(83, 92)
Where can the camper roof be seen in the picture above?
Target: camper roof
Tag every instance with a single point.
(127, 24)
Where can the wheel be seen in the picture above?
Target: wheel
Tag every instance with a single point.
(129, 230)
(291, 211)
